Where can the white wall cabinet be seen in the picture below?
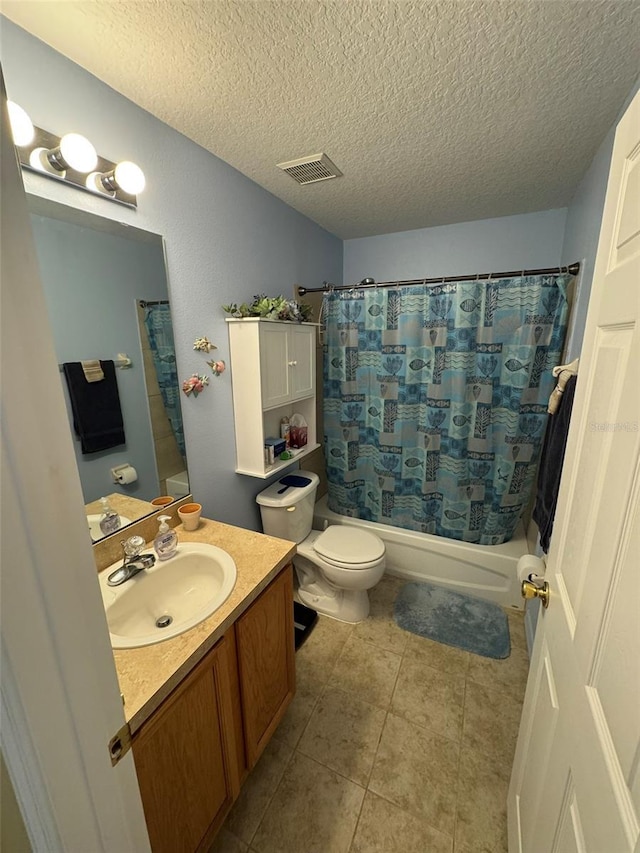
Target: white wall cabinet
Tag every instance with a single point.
(273, 375)
(287, 353)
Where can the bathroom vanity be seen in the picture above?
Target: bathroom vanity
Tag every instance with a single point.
(202, 706)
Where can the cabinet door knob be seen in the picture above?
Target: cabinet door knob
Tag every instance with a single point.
(292, 363)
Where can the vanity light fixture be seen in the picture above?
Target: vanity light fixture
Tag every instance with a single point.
(73, 160)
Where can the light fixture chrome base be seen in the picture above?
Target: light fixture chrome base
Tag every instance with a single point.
(34, 158)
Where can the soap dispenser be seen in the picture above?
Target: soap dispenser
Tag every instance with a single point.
(166, 542)
(109, 520)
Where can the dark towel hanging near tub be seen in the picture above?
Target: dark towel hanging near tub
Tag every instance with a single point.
(97, 416)
(555, 442)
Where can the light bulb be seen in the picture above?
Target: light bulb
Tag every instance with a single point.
(21, 125)
(78, 153)
(129, 177)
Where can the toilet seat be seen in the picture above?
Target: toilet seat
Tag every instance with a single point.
(349, 548)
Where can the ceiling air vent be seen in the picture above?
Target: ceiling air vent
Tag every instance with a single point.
(309, 170)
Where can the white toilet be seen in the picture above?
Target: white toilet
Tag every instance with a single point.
(335, 567)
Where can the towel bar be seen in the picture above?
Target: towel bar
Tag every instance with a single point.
(122, 361)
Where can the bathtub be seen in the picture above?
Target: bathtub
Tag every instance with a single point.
(487, 571)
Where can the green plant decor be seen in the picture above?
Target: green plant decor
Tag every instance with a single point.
(271, 308)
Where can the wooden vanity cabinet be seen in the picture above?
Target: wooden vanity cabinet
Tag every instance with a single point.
(186, 756)
(266, 662)
(194, 752)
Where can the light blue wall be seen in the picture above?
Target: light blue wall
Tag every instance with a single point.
(226, 239)
(581, 236)
(582, 230)
(487, 245)
(91, 283)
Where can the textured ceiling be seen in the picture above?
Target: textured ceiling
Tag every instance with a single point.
(436, 112)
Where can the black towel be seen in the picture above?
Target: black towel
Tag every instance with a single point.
(97, 416)
(555, 442)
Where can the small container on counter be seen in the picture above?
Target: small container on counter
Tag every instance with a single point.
(190, 515)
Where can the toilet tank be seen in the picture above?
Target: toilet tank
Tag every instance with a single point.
(286, 506)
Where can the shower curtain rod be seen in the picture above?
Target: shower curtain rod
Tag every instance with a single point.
(572, 269)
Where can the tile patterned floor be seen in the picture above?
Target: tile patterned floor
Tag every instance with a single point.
(393, 744)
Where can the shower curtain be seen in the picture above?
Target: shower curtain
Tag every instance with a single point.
(435, 401)
(157, 321)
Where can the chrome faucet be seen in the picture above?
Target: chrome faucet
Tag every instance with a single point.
(133, 561)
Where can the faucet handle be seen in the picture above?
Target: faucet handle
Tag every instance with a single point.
(133, 545)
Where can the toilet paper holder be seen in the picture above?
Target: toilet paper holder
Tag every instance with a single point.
(119, 475)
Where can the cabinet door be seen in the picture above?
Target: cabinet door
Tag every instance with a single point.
(274, 364)
(265, 641)
(186, 775)
(302, 361)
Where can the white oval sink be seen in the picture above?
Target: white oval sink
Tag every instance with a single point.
(94, 525)
(177, 593)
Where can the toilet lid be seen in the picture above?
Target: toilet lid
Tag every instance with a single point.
(348, 545)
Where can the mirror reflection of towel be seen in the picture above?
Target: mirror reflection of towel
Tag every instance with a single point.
(97, 416)
(555, 442)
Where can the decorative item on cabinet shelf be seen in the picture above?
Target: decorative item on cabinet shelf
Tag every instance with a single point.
(273, 448)
(285, 431)
(298, 431)
(271, 308)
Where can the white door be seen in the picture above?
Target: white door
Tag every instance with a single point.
(576, 777)
(59, 692)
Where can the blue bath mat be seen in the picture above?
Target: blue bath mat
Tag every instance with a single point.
(453, 619)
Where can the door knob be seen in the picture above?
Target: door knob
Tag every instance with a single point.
(529, 589)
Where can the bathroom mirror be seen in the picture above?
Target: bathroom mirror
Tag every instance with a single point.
(105, 284)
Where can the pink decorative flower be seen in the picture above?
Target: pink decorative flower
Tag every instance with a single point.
(217, 367)
(195, 384)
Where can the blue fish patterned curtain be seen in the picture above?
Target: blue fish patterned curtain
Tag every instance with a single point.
(435, 401)
(159, 328)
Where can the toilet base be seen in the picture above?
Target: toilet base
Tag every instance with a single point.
(346, 605)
